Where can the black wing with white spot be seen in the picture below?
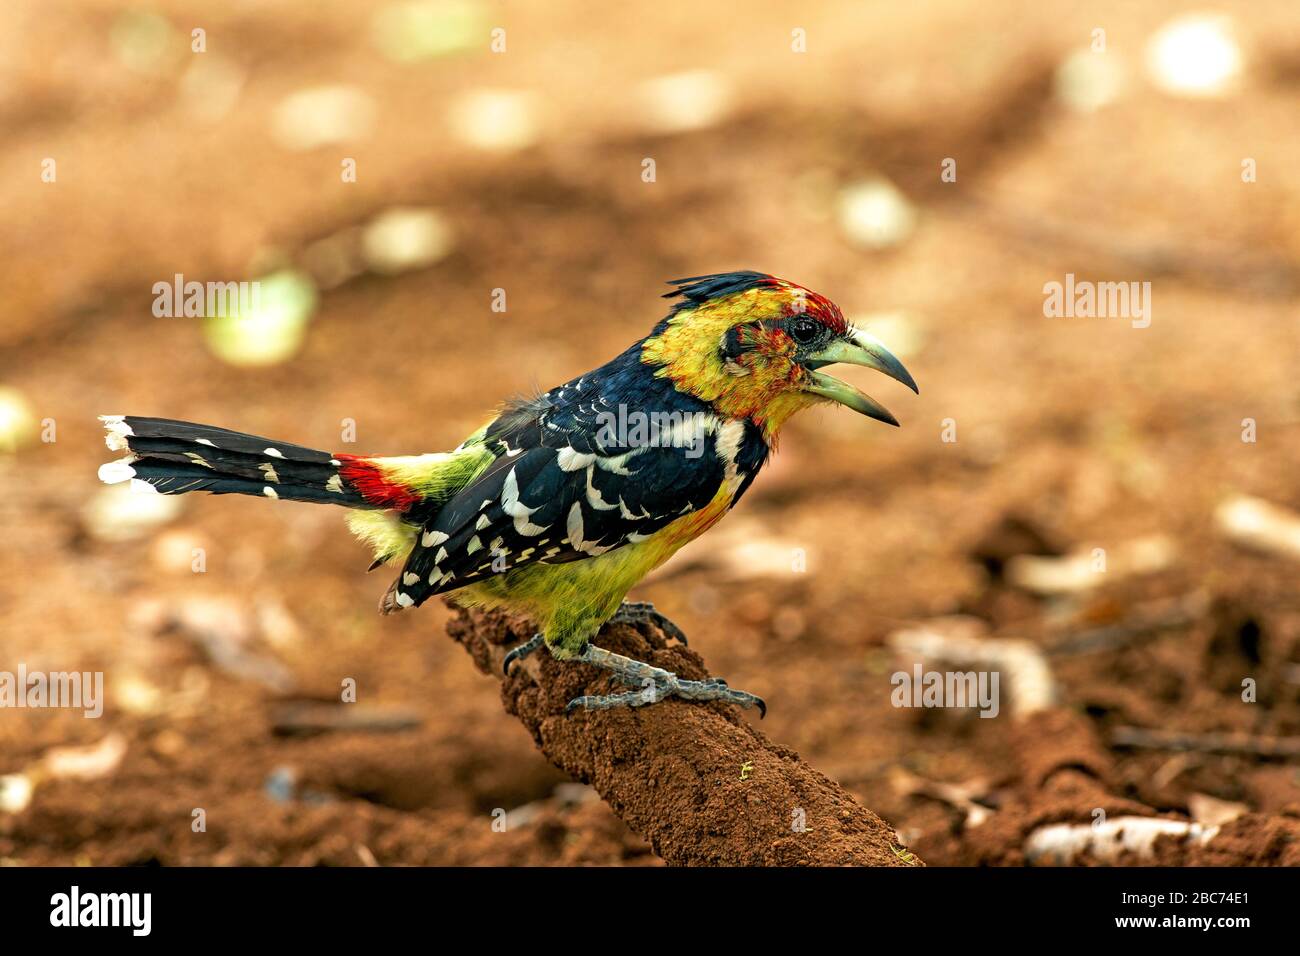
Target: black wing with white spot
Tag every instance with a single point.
(572, 480)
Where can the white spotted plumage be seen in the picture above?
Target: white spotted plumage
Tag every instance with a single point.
(520, 512)
(570, 460)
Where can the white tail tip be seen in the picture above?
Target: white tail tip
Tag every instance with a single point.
(113, 472)
(117, 431)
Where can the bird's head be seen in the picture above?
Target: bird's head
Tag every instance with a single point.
(753, 346)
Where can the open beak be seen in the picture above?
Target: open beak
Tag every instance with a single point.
(856, 348)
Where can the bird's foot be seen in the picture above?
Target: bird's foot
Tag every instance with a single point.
(519, 652)
(655, 684)
(643, 612)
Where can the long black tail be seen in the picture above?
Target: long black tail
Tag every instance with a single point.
(176, 457)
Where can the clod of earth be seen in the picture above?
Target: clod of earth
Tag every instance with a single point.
(669, 771)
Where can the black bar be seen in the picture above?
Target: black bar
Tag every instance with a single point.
(579, 905)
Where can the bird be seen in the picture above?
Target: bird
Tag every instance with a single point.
(564, 500)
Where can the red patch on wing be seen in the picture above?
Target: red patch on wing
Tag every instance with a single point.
(373, 485)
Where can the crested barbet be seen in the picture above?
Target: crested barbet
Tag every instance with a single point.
(561, 503)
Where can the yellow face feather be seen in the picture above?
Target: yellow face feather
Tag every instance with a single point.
(764, 385)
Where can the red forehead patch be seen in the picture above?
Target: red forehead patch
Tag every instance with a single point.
(816, 306)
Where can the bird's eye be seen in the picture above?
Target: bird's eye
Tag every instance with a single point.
(803, 330)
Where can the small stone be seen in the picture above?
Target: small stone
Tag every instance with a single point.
(685, 101)
(402, 239)
(126, 511)
(86, 763)
(15, 792)
(1196, 55)
(322, 116)
(875, 215)
(1259, 525)
(1087, 80)
(18, 427)
(495, 120)
(136, 695)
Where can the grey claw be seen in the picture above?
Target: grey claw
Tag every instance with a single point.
(655, 684)
(643, 612)
(520, 651)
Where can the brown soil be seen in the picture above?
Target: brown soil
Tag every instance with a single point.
(1071, 433)
(702, 785)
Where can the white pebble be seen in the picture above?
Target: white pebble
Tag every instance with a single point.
(405, 238)
(322, 116)
(685, 101)
(1088, 80)
(496, 120)
(126, 511)
(17, 420)
(1196, 55)
(875, 215)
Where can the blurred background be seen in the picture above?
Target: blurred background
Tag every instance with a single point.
(1109, 514)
